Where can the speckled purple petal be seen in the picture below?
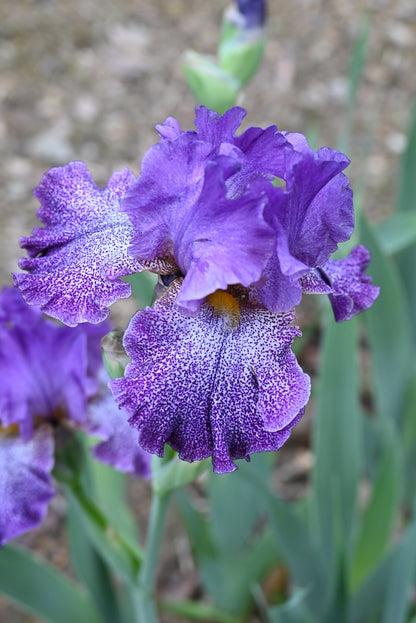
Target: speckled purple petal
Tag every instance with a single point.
(76, 259)
(120, 447)
(349, 288)
(43, 374)
(211, 386)
(25, 482)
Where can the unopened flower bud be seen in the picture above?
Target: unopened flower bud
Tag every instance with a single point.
(114, 356)
(242, 40)
(253, 12)
(210, 84)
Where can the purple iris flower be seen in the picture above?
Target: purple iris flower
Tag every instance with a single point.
(237, 227)
(50, 375)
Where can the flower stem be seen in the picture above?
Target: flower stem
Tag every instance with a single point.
(144, 599)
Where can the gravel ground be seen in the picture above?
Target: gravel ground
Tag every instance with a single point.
(88, 81)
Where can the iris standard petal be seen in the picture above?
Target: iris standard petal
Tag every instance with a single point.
(222, 242)
(319, 210)
(171, 179)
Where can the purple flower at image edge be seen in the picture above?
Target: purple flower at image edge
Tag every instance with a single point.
(51, 375)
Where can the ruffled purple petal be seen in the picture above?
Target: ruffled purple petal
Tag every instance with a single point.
(349, 288)
(171, 179)
(260, 153)
(120, 447)
(218, 384)
(75, 260)
(176, 179)
(265, 154)
(276, 291)
(318, 213)
(170, 128)
(217, 129)
(25, 482)
(310, 218)
(222, 241)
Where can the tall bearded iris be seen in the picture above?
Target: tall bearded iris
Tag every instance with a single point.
(237, 227)
(50, 376)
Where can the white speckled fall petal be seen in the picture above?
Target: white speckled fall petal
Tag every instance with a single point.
(25, 481)
(207, 389)
(349, 289)
(77, 258)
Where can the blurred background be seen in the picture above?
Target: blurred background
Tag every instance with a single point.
(85, 80)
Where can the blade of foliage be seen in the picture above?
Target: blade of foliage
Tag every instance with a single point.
(337, 446)
(227, 575)
(396, 604)
(108, 488)
(294, 542)
(358, 58)
(407, 179)
(91, 569)
(232, 519)
(407, 204)
(381, 512)
(357, 64)
(293, 611)
(197, 526)
(384, 596)
(198, 611)
(42, 590)
(389, 332)
(122, 554)
(397, 232)
(409, 442)
(112, 545)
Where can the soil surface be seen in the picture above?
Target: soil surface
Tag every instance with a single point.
(85, 80)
